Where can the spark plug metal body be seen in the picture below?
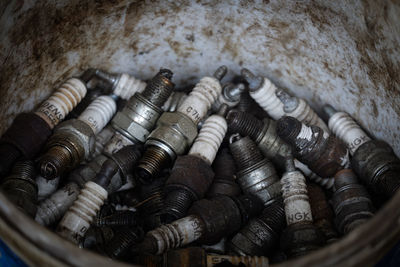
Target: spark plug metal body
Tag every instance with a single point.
(20, 187)
(324, 154)
(255, 174)
(373, 160)
(29, 131)
(73, 140)
(351, 202)
(208, 222)
(192, 174)
(300, 236)
(176, 131)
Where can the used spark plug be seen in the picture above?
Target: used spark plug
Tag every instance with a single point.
(129, 198)
(322, 212)
(299, 109)
(255, 174)
(327, 183)
(224, 179)
(373, 160)
(118, 218)
(137, 119)
(230, 96)
(263, 133)
(192, 174)
(29, 131)
(73, 140)
(122, 85)
(101, 141)
(76, 221)
(264, 93)
(123, 240)
(20, 187)
(174, 101)
(324, 154)
(46, 187)
(300, 235)
(351, 202)
(208, 221)
(261, 235)
(248, 105)
(176, 131)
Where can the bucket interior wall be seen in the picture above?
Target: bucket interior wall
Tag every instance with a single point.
(346, 54)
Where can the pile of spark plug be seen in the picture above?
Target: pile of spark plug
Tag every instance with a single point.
(239, 173)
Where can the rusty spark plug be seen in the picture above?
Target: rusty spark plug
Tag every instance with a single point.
(324, 154)
(176, 131)
(208, 221)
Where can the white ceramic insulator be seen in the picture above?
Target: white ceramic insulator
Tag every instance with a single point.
(346, 129)
(307, 115)
(326, 183)
(265, 96)
(127, 86)
(53, 208)
(101, 141)
(177, 234)
(46, 187)
(62, 101)
(199, 101)
(76, 221)
(295, 198)
(99, 113)
(208, 141)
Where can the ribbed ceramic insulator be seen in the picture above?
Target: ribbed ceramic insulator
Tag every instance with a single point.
(345, 128)
(62, 101)
(78, 218)
(53, 208)
(99, 113)
(177, 234)
(199, 101)
(127, 86)
(326, 183)
(307, 115)
(208, 141)
(295, 198)
(265, 96)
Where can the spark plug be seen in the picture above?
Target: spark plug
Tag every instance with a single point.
(126, 237)
(300, 235)
(208, 221)
(261, 235)
(255, 174)
(122, 85)
(224, 179)
(137, 119)
(263, 133)
(351, 202)
(174, 101)
(20, 187)
(322, 212)
(46, 187)
(30, 131)
(118, 218)
(176, 131)
(373, 160)
(192, 174)
(324, 154)
(299, 109)
(101, 141)
(327, 183)
(73, 140)
(230, 96)
(264, 93)
(76, 221)
(248, 105)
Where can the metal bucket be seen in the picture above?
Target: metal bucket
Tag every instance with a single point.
(346, 54)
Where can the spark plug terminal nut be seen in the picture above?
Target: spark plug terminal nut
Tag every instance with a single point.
(373, 160)
(255, 174)
(351, 202)
(176, 131)
(73, 140)
(20, 187)
(324, 154)
(300, 235)
(230, 95)
(30, 131)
